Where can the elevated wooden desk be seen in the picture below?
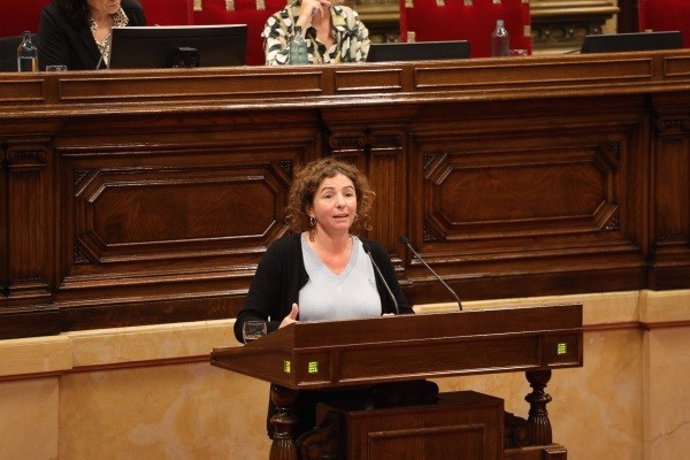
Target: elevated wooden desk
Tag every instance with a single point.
(136, 197)
(326, 355)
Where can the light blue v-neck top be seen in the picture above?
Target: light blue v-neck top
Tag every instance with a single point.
(349, 295)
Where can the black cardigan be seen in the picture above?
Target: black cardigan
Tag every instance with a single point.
(62, 42)
(281, 274)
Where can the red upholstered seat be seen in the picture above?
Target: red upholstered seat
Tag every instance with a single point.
(473, 20)
(20, 15)
(254, 13)
(168, 12)
(666, 15)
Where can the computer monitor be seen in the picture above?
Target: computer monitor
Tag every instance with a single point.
(178, 46)
(635, 41)
(419, 51)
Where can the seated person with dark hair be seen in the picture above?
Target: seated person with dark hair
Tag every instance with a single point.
(76, 33)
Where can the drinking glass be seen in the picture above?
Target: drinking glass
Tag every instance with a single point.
(253, 330)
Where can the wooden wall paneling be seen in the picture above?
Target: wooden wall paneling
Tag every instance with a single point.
(29, 189)
(670, 193)
(513, 196)
(376, 142)
(387, 172)
(4, 241)
(161, 189)
(168, 224)
(27, 238)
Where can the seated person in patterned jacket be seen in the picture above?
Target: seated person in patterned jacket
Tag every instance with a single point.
(334, 33)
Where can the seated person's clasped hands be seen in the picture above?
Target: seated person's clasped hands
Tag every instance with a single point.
(334, 33)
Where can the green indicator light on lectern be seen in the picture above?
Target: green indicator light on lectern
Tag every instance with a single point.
(287, 366)
(561, 349)
(313, 367)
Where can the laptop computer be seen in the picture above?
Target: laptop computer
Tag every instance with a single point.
(178, 46)
(419, 51)
(635, 41)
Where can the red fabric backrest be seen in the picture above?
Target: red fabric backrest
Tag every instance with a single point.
(251, 12)
(666, 15)
(472, 20)
(20, 15)
(168, 12)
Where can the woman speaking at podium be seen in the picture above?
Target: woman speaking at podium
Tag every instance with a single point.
(323, 270)
(76, 33)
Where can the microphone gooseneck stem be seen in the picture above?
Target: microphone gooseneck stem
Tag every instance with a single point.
(383, 280)
(100, 61)
(406, 241)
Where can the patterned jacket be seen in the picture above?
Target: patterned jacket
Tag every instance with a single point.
(350, 35)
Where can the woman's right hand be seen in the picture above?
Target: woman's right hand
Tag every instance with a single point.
(309, 9)
(291, 318)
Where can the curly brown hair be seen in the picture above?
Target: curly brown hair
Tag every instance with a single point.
(307, 181)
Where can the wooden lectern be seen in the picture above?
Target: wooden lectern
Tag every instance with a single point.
(340, 354)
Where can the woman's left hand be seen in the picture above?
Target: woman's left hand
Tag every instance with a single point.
(291, 318)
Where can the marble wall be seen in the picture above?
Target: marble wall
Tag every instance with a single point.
(149, 392)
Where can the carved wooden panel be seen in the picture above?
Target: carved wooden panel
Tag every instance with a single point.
(671, 192)
(379, 151)
(151, 217)
(510, 194)
(28, 176)
(147, 214)
(26, 241)
(545, 194)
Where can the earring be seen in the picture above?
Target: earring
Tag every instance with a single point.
(356, 217)
(312, 221)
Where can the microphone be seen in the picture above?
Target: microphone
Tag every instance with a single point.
(406, 241)
(367, 249)
(100, 61)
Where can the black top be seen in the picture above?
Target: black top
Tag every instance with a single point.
(281, 274)
(63, 42)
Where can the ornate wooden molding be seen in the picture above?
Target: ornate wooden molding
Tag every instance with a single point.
(26, 158)
(673, 125)
(560, 25)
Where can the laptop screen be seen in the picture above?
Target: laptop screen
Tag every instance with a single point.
(419, 51)
(178, 46)
(637, 41)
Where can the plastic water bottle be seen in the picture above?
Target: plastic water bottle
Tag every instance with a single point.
(500, 40)
(298, 48)
(27, 54)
